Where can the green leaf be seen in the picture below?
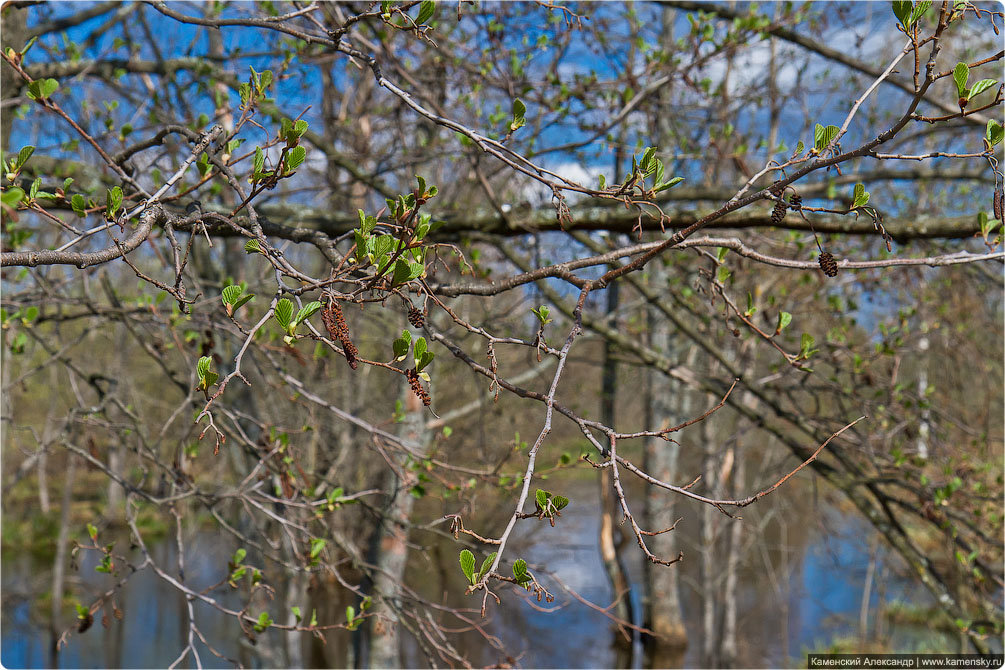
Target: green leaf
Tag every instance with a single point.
(35, 185)
(420, 347)
(784, 319)
(113, 200)
(402, 273)
(202, 367)
(426, 10)
(264, 621)
(296, 613)
(980, 87)
(560, 502)
(307, 311)
(468, 565)
(423, 360)
(350, 614)
(259, 164)
(252, 247)
(295, 158)
(12, 196)
(961, 73)
(78, 204)
(23, 156)
(520, 570)
(239, 556)
(519, 111)
(646, 164)
(542, 498)
(40, 89)
(995, 132)
(670, 184)
(486, 564)
(231, 294)
(919, 11)
(720, 253)
(92, 532)
(902, 10)
(400, 345)
(824, 136)
(860, 196)
(317, 545)
(284, 312)
(806, 346)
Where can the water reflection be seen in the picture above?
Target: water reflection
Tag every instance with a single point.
(780, 616)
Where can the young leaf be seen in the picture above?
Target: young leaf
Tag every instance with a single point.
(961, 73)
(980, 87)
(560, 502)
(239, 556)
(420, 347)
(519, 111)
(784, 319)
(486, 564)
(902, 10)
(295, 158)
(995, 132)
(296, 613)
(284, 313)
(23, 156)
(12, 196)
(400, 346)
(859, 197)
(78, 204)
(919, 11)
(670, 184)
(202, 367)
(824, 136)
(113, 200)
(252, 247)
(317, 545)
(468, 565)
(426, 10)
(40, 89)
(307, 311)
(542, 498)
(231, 294)
(422, 361)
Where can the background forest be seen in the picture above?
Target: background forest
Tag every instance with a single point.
(372, 334)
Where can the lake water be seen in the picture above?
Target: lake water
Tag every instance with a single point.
(822, 598)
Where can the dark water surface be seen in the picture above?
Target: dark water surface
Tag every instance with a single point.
(819, 600)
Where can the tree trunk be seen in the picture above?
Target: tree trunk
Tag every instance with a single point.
(669, 404)
(392, 538)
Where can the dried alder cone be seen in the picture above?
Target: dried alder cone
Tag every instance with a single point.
(828, 264)
(335, 323)
(413, 381)
(796, 201)
(778, 213)
(415, 317)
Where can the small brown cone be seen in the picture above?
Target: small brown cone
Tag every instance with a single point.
(828, 264)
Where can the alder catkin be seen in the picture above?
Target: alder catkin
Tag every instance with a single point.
(417, 389)
(828, 264)
(337, 329)
(998, 203)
